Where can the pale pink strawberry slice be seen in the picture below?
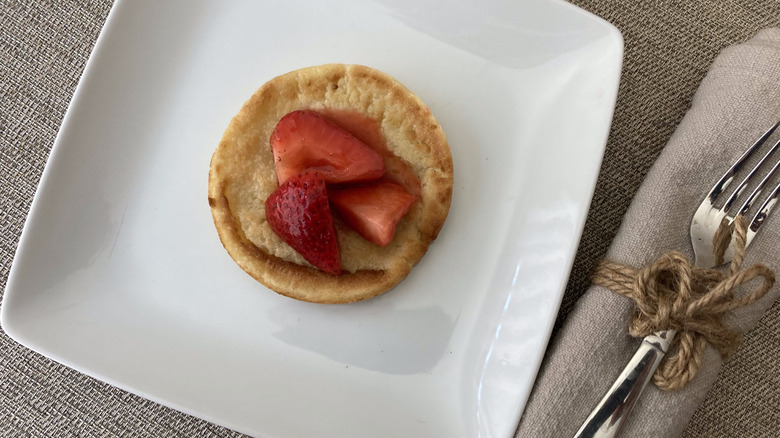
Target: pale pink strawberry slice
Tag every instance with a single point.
(305, 139)
(299, 213)
(373, 210)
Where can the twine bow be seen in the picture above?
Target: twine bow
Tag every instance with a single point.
(672, 293)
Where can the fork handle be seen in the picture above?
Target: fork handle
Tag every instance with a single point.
(609, 415)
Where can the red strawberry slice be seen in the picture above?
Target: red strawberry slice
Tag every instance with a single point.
(373, 211)
(299, 213)
(305, 139)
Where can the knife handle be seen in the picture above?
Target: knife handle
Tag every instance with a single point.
(609, 415)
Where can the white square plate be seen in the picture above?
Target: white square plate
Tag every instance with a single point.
(120, 273)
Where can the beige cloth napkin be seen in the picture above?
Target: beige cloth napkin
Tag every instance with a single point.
(737, 101)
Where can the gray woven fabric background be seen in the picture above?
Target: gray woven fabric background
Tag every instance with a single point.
(669, 47)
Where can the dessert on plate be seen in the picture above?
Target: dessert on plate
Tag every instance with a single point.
(330, 183)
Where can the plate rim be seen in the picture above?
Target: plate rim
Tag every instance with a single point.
(11, 289)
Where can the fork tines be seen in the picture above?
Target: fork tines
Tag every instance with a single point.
(724, 182)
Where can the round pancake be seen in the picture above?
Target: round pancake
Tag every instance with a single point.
(242, 175)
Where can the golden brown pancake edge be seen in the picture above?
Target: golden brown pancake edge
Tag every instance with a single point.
(242, 175)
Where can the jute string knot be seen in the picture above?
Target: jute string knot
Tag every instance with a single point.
(672, 293)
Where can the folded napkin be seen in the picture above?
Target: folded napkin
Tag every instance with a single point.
(737, 101)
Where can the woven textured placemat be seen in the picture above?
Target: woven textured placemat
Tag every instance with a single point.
(669, 47)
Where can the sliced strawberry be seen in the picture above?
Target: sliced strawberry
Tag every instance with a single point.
(304, 139)
(373, 210)
(299, 213)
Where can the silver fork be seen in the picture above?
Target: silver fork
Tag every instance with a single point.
(609, 415)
